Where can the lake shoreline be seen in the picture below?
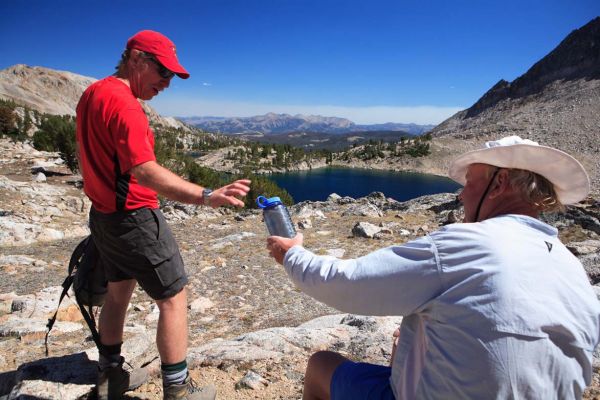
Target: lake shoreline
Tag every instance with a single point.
(318, 183)
(365, 166)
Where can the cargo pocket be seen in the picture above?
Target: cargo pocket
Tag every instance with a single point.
(164, 254)
(168, 273)
(162, 251)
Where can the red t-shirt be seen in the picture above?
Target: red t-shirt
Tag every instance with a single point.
(113, 136)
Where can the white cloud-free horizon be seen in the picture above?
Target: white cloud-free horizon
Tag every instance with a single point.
(422, 115)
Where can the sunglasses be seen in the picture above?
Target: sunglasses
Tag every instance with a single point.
(162, 70)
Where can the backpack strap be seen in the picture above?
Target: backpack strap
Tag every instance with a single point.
(67, 283)
(88, 314)
(90, 321)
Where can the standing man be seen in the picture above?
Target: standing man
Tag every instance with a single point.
(494, 308)
(122, 179)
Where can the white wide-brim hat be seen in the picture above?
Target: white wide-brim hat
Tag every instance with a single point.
(571, 182)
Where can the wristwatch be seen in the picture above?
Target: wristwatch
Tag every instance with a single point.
(206, 193)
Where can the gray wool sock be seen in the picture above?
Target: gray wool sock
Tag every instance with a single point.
(174, 374)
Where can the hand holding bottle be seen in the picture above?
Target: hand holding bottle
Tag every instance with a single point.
(278, 245)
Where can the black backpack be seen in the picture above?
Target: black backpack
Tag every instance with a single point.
(86, 275)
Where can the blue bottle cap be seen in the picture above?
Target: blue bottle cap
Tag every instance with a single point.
(263, 202)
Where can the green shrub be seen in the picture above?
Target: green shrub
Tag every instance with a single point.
(57, 133)
(263, 186)
(184, 165)
(8, 121)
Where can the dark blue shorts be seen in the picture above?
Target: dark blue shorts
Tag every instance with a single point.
(361, 381)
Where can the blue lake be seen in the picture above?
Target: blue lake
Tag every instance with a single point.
(320, 183)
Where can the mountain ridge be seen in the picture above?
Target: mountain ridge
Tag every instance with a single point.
(275, 124)
(576, 57)
(556, 102)
(56, 92)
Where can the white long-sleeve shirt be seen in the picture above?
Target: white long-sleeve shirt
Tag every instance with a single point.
(495, 309)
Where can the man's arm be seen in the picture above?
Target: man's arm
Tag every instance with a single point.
(391, 281)
(172, 186)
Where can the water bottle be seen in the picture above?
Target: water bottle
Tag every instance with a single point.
(277, 217)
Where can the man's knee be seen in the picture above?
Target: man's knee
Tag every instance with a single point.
(319, 372)
(176, 302)
(318, 358)
(324, 362)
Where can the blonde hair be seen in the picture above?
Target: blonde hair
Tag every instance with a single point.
(535, 189)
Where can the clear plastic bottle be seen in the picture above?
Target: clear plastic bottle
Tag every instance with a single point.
(276, 216)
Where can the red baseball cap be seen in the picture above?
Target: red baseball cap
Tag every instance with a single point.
(161, 47)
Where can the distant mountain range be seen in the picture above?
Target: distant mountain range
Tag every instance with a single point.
(277, 124)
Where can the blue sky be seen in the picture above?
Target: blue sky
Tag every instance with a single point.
(369, 61)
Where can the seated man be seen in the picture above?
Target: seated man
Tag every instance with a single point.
(495, 307)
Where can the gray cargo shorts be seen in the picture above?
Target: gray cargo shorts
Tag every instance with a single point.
(139, 245)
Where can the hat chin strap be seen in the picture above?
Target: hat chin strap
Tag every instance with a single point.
(487, 189)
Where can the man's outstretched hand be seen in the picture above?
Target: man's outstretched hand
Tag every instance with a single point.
(278, 245)
(229, 195)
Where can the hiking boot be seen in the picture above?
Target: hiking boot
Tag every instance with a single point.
(189, 391)
(114, 381)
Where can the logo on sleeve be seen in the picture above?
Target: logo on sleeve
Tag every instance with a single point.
(549, 246)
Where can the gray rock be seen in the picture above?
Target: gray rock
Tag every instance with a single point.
(422, 230)
(368, 336)
(231, 239)
(338, 253)
(252, 380)
(68, 377)
(450, 217)
(585, 247)
(382, 233)
(200, 305)
(346, 200)
(16, 260)
(39, 177)
(20, 327)
(305, 223)
(308, 212)
(18, 305)
(41, 304)
(5, 308)
(591, 264)
(365, 229)
(435, 202)
(333, 197)
(587, 219)
(39, 389)
(363, 210)
(76, 205)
